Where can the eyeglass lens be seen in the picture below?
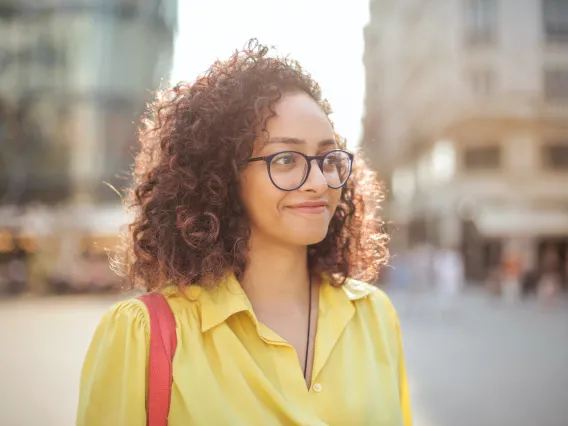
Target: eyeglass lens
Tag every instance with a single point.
(289, 169)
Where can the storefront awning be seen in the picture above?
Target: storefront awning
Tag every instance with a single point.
(98, 220)
(522, 222)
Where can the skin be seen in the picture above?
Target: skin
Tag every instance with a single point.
(276, 279)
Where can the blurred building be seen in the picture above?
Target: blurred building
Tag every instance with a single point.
(74, 79)
(74, 76)
(467, 119)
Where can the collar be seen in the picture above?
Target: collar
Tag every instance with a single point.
(222, 301)
(228, 298)
(340, 300)
(356, 290)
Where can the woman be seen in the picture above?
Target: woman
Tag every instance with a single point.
(250, 221)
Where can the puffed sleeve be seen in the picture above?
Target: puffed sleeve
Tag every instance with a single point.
(402, 380)
(114, 375)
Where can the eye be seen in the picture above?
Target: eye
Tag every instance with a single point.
(284, 159)
(334, 159)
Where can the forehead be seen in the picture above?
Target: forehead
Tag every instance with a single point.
(299, 116)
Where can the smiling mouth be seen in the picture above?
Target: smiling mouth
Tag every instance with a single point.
(310, 208)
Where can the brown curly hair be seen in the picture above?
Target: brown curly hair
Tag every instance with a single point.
(190, 226)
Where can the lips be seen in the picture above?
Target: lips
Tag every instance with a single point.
(310, 207)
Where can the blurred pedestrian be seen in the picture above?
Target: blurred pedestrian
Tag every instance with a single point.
(449, 272)
(494, 279)
(423, 270)
(511, 278)
(249, 224)
(565, 284)
(17, 271)
(550, 281)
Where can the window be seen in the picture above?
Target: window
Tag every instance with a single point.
(555, 156)
(482, 157)
(36, 150)
(555, 15)
(168, 12)
(117, 115)
(126, 9)
(482, 82)
(556, 84)
(8, 11)
(119, 129)
(480, 22)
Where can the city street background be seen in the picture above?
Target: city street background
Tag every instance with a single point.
(459, 106)
(488, 363)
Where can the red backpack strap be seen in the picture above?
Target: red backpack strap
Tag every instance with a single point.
(163, 342)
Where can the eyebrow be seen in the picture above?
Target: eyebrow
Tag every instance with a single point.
(296, 141)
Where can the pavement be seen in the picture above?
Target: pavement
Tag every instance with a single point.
(44, 342)
(486, 363)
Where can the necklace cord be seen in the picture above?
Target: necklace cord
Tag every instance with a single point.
(309, 329)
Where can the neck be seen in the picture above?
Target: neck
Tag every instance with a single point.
(275, 273)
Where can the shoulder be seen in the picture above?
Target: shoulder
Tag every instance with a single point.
(126, 324)
(127, 316)
(132, 308)
(372, 304)
(115, 369)
(367, 294)
(122, 332)
(135, 310)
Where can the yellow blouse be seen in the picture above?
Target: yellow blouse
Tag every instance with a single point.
(230, 369)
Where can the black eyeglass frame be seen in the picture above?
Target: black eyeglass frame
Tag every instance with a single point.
(309, 158)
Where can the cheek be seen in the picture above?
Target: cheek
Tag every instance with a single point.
(335, 198)
(260, 198)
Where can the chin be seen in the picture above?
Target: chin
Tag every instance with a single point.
(307, 238)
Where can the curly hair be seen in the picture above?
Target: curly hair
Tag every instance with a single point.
(189, 224)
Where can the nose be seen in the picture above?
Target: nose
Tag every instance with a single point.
(315, 182)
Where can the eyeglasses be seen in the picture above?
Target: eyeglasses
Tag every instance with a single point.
(289, 170)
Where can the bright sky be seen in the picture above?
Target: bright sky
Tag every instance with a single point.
(325, 36)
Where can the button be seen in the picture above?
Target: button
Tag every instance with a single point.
(317, 387)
